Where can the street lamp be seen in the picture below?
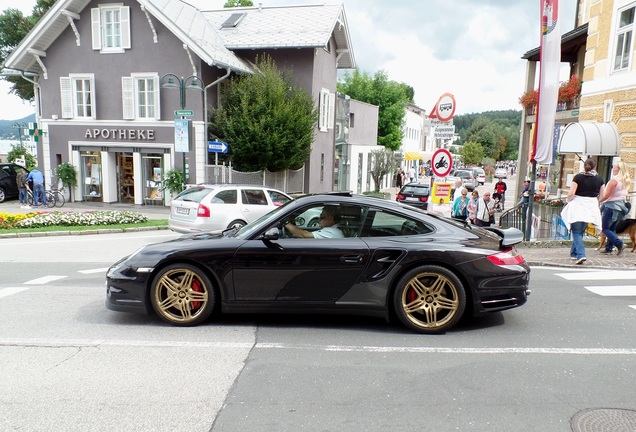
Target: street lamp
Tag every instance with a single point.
(20, 127)
(193, 82)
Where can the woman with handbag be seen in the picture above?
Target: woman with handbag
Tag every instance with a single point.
(485, 214)
(460, 205)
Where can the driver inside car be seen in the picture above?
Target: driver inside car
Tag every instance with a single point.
(329, 218)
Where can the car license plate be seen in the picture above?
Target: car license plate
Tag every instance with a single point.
(412, 199)
(182, 210)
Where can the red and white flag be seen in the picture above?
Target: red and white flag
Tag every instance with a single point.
(550, 63)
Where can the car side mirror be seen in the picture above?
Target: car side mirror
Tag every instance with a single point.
(271, 234)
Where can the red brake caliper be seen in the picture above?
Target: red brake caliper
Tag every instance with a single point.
(196, 286)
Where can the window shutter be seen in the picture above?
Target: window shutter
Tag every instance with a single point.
(331, 112)
(93, 103)
(96, 27)
(124, 13)
(323, 108)
(128, 98)
(157, 98)
(66, 92)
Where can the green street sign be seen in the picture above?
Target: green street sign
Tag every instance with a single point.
(184, 113)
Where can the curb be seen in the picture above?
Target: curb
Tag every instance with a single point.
(80, 232)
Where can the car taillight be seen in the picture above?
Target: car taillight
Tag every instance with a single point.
(507, 257)
(424, 199)
(400, 197)
(203, 211)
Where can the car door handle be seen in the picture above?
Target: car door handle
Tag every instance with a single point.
(353, 259)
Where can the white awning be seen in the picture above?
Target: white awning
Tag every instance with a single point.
(590, 138)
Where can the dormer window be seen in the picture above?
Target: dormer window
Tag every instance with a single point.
(111, 28)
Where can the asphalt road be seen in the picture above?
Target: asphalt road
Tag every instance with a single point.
(69, 364)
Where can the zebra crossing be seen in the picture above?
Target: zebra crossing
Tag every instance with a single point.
(605, 276)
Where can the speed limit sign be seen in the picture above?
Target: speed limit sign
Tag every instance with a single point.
(441, 163)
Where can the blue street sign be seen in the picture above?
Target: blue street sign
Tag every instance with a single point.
(217, 147)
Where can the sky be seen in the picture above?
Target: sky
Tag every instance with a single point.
(470, 48)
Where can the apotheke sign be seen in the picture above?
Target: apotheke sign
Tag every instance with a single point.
(121, 134)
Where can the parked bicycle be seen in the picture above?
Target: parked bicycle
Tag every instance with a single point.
(57, 196)
(54, 198)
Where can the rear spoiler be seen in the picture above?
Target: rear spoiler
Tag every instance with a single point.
(509, 236)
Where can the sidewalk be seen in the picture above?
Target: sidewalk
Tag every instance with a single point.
(150, 211)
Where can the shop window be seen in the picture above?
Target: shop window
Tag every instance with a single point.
(78, 96)
(111, 28)
(140, 96)
(153, 191)
(91, 176)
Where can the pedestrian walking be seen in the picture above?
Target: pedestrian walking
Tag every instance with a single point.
(472, 206)
(583, 207)
(485, 213)
(501, 188)
(460, 205)
(614, 207)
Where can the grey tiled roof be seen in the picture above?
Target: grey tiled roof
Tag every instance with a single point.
(189, 24)
(305, 26)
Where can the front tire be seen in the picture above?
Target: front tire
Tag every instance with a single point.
(429, 299)
(181, 294)
(3, 195)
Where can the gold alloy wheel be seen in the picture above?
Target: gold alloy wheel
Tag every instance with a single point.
(430, 301)
(182, 294)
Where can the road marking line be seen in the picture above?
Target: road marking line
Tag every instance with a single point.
(44, 280)
(633, 306)
(13, 290)
(99, 270)
(599, 275)
(335, 348)
(616, 290)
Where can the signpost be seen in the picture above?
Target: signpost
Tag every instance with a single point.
(442, 162)
(188, 113)
(217, 147)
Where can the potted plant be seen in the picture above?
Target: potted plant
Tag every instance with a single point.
(67, 174)
(173, 181)
(529, 99)
(570, 91)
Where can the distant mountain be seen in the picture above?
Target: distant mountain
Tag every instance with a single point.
(7, 131)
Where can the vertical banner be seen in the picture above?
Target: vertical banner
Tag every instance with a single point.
(181, 135)
(550, 62)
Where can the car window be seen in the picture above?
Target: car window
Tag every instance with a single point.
(277, 198)
(387, 224)
(193, 194)
(6, 170)
(415, 189)
(226, 196)
(254, 196)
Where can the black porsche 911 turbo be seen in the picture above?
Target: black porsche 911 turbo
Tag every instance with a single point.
(381, 258)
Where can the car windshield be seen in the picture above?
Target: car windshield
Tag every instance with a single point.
(462, 174)
(479, 171)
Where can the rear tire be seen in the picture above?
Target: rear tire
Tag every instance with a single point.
(429, 299)
(236, 224)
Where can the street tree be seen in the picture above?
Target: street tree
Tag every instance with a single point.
(14, 26)
(19, 151)
(390, 96)
(490, 135)
(266, 119)
(472, 153)
(383, 162)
